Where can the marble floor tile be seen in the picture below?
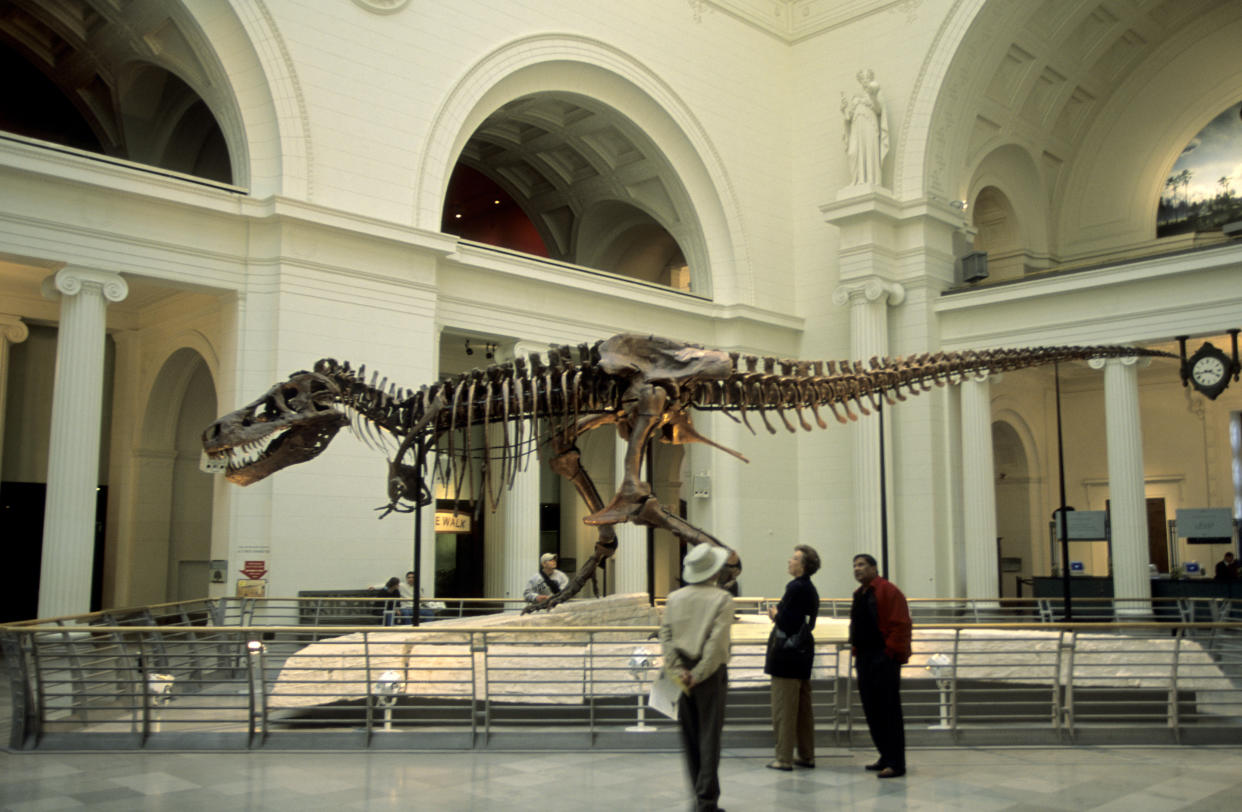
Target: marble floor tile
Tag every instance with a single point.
(1099, 779)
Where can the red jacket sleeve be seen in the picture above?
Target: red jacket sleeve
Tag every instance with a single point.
(894, 619)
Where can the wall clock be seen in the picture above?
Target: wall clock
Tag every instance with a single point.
(1210, 369)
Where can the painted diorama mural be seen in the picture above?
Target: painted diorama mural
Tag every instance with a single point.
(1199, 193)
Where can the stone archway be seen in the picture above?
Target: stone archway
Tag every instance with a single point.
(169, 541)
(1017, 546)
(684, 175)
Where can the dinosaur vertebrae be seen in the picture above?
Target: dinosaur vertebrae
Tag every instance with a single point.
(788, 385)
(531, 400)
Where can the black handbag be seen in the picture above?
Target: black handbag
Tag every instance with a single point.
(791, 653)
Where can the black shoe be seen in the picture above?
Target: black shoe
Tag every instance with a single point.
(804, 762)
(890, 772)
(875, 768)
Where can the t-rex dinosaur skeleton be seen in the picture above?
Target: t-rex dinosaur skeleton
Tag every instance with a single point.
(641, 384)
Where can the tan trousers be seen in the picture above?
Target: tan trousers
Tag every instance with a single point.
(793, 719)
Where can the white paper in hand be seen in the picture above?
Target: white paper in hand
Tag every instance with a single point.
(664, 695)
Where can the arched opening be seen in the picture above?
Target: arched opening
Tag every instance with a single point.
(189, 526)
(168, 555)
(1015, 544)
(564, 176)
(998, 233)
(89, 87)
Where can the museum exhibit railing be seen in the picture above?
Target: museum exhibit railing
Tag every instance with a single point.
(237, 674)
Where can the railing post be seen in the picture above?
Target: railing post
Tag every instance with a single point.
(366, 668)
(1174, 675)
(479, 645)
(1065, 669)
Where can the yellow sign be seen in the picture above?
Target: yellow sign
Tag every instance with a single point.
(251, 587)
(449, 521)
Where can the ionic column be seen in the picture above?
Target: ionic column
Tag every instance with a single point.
(12, 331)
(1126, 493)
(521, 512)
(630, 563)
(868, 300)
(494, 532)
(978, 489)
(73, 453)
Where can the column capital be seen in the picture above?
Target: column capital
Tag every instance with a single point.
(1127, 361)
(870, 289)
(69, 281)
(984, 376)
(13, 330)
(522, 348)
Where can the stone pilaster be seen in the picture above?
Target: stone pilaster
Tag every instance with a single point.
(12, 331)
(1126, 493)
(978, 489)
(73, 455)
(868, 300)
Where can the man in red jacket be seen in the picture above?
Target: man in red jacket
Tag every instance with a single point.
(880, 638)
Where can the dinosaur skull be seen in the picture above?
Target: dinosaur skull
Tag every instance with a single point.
(292, 423)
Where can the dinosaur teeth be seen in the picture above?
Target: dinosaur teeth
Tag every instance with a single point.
(249, 453)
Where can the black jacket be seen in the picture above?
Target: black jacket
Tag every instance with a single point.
(801, 601)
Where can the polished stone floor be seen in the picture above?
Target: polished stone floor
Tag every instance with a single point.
(1085, 778)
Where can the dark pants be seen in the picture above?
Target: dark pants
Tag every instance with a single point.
(879, 686)
(701, 714)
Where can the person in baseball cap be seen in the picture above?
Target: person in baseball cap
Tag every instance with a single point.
(546, 583)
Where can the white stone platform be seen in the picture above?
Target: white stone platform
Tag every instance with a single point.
(441, 659)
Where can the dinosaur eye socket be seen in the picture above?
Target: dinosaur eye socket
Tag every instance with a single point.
(289, 392)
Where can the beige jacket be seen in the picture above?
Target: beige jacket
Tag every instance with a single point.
(696, 626)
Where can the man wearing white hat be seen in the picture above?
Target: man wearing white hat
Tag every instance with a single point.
(695, 637)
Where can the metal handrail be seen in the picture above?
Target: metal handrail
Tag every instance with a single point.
(239, 611)
(267, 685)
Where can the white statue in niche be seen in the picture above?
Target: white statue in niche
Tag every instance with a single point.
(866, 131)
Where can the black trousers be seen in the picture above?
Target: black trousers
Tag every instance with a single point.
(701, 715)
(879, 686)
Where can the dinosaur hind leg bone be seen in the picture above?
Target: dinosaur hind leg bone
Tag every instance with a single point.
(567, 463)
(648, 411)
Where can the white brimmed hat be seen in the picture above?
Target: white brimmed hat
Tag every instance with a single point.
(547, 557)
(702, 563)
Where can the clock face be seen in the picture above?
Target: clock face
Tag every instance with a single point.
(1208, 371)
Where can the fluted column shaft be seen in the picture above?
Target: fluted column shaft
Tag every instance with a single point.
(494, 529)
(522, 530)
(630, 563)
(521, 514)
(868, 301)
(12, 331)
(978, 489)
(1126, 492)
(73, 453)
